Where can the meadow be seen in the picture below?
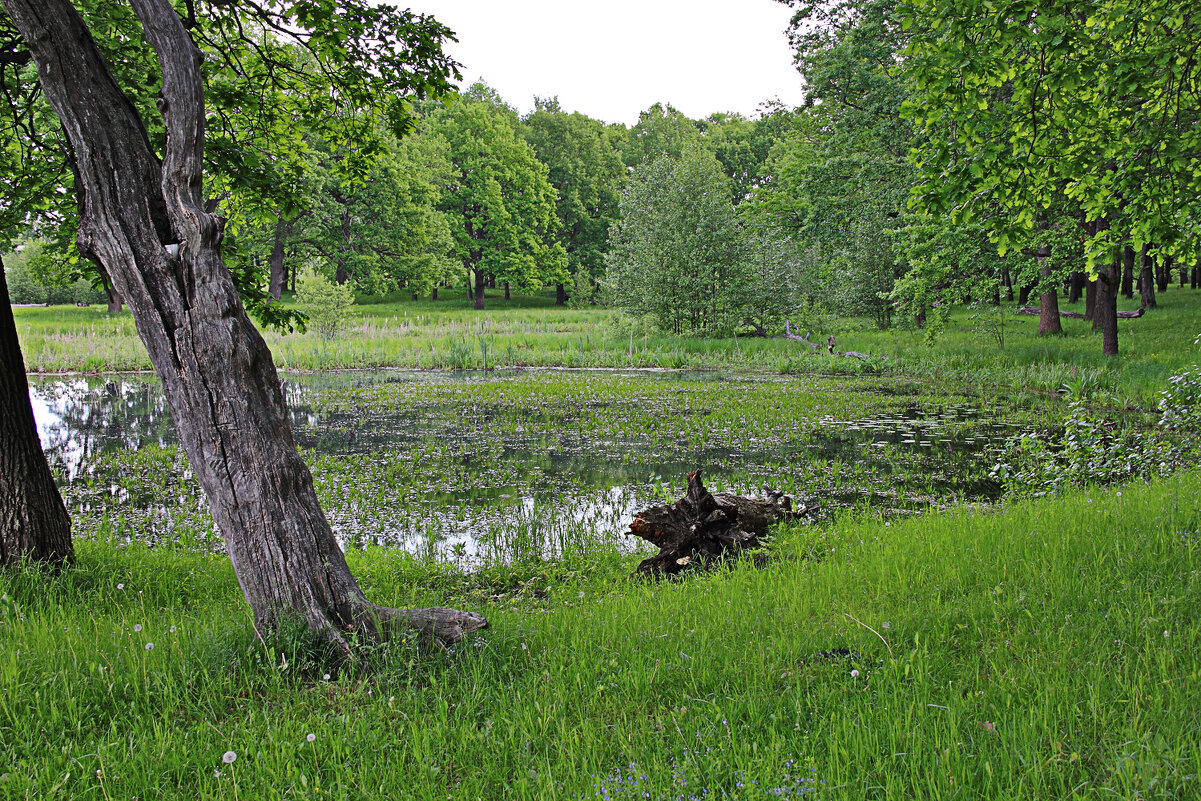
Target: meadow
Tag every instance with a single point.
(985, 647)
(985, 345)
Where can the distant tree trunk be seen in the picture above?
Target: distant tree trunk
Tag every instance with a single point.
(1090, 300)
(34, 524)
(279, 271)
(434, 294)
(1048, 306)
(1146, 281)
(1024, 295)
(111, 295)
(507, 291)
(1076, 286)
(1007, 280)
(1105, 315)
(1184, 271)
(415, 296)
(480, 282)
(560, 295)
(919, 319)
(1196, 277)
(1128, 272)
(146, 223)
(341, 275)
(1163, 273)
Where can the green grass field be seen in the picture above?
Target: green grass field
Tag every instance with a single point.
(1048, 650)
(532, 331)
(1039, 649)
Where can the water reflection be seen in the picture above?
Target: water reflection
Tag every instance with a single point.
(454, 475)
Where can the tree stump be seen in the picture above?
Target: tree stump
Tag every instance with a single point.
(702, 527)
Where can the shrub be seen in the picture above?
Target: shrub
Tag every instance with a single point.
(325, 303)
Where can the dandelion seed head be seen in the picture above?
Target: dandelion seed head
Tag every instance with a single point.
(228, 757)
(120, 586)
(308, 738)
(854, 674)
(149, 646)
(137, 627)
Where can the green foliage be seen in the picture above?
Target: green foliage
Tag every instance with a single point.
(1095, 448)
(1026, 107)
(325, 303)
(586, 171)
(497, 196)
(677, 255)
(38, 273)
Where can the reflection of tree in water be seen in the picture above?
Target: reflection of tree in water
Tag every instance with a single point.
(92, 416)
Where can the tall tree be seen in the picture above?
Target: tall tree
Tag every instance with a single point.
(677, 255)
(586, 171)
(146, 222)
(497, 197)
(1032, 102)
(34, 524)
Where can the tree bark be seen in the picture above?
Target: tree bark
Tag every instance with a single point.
(701, 527)
(1048, 319)
(1076, 284)
(279, 272)
(507, 297)
(560, 295)
(34, 524)
(1163, 273)
(1128, 271)
(1105, 314)
(480, 282)
(1090, 300)
(145, 222)
(434, 294)
(1146, 281)
(1196, 276)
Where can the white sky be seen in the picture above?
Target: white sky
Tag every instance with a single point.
(611, 59)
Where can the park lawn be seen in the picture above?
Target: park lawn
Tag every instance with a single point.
(530, 330)
(1043, 649)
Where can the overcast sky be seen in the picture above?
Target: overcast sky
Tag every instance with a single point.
(614, 58)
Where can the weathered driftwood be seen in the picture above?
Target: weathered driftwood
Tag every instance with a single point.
(1033, 311)
(701, 527)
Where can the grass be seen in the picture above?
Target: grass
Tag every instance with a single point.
(531, 331)
(1048, 650)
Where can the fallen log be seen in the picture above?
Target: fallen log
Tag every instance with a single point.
(1033, 311)
(702, 527)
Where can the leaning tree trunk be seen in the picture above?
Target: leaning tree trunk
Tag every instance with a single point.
(34, 523)
(1048, 319)
(145, 222)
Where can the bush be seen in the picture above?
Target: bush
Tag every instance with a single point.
(325, 303)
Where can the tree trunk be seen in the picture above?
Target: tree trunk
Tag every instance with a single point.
(1196, 276)
(1024, 295)
(480, 281)
(1146, 281)
(1048, 319)
(1128, 272)
(1076, 284)
(1105, 313)
(560, 295)
(34, 524)
(146, 223)
(1183, 274)
(1007, 280)
(111, 295)
(1090, 300)
(507, 291)
(434, 294)
(279, 272)
(1163, 273)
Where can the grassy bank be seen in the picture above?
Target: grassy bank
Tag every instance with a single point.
(530, 331)
(1049, 650)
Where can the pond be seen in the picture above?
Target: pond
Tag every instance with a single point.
(482, 467)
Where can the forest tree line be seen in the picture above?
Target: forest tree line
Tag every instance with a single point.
(945, 153)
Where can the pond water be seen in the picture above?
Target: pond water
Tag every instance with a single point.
(512, 465)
